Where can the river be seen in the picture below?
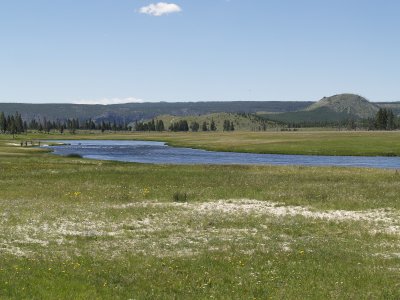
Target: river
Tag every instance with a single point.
(160, 153)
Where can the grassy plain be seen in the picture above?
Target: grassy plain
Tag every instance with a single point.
(72, 228)
(353, 143)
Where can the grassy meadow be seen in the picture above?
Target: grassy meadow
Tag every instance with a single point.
(73, 228)
(310, 142)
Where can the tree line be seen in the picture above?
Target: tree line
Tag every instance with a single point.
(74, 124)
(182, 126)
(150, 126)
(385, 120)
(13, 124)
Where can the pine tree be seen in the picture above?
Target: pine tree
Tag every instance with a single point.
(160, 125)
(226, 125)
(213, 127)
(390, 120)
(194, 126)
(19, 124)
(12, 126)
(2, 122)
(152, 125)
(204, 126)
(8, 124)
(381, 119)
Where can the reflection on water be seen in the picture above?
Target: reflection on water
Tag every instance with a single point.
(159, 153)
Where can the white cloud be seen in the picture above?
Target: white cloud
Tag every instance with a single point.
(107, 101)
(160, 9)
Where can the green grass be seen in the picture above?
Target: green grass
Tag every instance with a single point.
(72, 228)
(309, 143)
(353, 143)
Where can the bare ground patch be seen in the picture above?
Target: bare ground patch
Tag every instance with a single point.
(172, 229)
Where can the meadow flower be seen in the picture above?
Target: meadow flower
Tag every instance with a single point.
(145, 192)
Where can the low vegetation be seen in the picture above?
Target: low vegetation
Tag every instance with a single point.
(350, 143)
(72, 228)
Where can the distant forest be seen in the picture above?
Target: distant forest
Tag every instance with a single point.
(183, 125)
(14, 124)
(130, 112)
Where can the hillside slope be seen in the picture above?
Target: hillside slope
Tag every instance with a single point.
(337, 108)
(350, 104)
(241, 122)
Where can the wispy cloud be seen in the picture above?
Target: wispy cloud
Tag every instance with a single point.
(159, 9)
(107, 101)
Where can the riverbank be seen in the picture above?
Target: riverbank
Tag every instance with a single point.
(343, 143)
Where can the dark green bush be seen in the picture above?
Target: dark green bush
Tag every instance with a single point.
(74, 155)
(180, 197)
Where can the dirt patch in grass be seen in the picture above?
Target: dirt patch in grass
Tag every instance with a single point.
(175, 229)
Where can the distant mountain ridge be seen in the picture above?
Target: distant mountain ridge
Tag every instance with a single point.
(336, 108)
(142, 111)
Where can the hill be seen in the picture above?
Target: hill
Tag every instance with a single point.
(243, 122)
(141, 111)
(336, 108)
(350, 104)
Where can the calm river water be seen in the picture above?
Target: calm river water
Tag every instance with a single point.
(160, 153)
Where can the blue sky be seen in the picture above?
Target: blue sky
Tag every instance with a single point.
(109, 51)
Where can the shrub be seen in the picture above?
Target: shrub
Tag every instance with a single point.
(74, 155)
(180, 197)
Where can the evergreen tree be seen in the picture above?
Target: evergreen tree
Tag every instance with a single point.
(184, 126)
(152, 125)
(12, 125)
(227, 125)
(204, 126)
(381, 119)
(194, 126)
(213, 127)
(160, 125)
(3, 124)
(19, 124)
(390, 120)
(179, 126)
(8, 124)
